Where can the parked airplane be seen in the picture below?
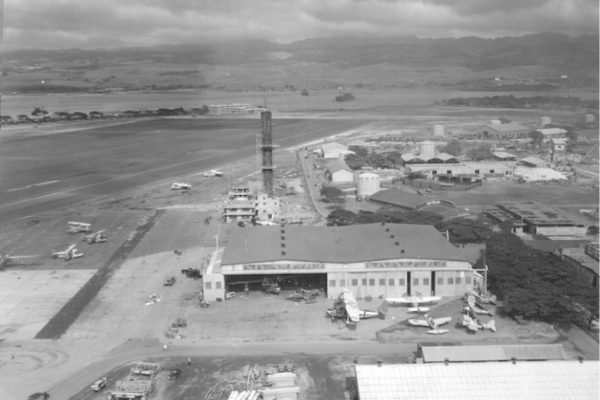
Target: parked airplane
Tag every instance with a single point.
(432, 323)
(8, 260)
(266, 223)
(213, 172)
(70, 253)
(97, 237)
(180, 186)
(472, 306)
(474, 325)
(345, 307)
(414, 301)
(76, 227)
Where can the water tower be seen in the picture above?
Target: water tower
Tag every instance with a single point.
(438, 130)
(427, 150)
(368, 184)
(545, 121)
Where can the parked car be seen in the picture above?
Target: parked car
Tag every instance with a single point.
(174, 374)
(170, 281)
(99, 384)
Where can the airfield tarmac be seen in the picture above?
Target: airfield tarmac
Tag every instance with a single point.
(238, 327)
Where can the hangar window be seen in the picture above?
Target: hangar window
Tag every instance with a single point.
(217, 285)
(342, 282)
(450, 281)
(440, 281)
(458, 281)
(416, 281)
(371, 282)
(332, 283)
(491, 171)
(468, 279)
(382, 282)
(391, 282)
(401, 282)
(426, 281)
(354, 282)
(208, 285)
(364, 282)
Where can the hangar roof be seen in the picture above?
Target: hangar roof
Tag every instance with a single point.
(548, 380)
(400, 198)
(342, 244)
(528, 352)
(510, 127)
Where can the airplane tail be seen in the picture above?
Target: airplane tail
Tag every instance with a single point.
(383, 309)
(490, 325)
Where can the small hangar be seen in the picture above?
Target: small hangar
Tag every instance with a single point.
(373, 259)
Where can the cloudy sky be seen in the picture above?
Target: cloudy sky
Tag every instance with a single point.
(124, 23)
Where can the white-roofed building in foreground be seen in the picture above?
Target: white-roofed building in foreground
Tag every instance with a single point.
(547, 380)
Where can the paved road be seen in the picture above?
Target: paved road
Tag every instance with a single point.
(153, 348)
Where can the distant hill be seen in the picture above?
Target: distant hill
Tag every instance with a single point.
(311, 63)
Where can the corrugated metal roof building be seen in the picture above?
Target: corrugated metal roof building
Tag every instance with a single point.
(550, 380)
(371, 259)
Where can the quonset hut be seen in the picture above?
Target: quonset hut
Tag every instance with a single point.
(373, 259)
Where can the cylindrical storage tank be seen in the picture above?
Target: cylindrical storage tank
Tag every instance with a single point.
(367, 185)
(438, 130)
(495, 122)
(589, 118)
(427, 150)
(545, 121)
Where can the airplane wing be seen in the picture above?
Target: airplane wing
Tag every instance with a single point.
(399, 300)
(418, 322)
(71, 247)
(350, 304)
(428, 299)
(442, 321)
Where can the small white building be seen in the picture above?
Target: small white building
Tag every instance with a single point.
(339, 172)
(552, 133)
(267, 208)
(558, 145)
(333, 150)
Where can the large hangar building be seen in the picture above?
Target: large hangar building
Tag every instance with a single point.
(373, 259)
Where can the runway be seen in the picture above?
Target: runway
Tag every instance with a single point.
(43, 173)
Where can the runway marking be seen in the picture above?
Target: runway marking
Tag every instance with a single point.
(30, 186)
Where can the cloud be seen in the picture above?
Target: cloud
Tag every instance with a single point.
(116, 23)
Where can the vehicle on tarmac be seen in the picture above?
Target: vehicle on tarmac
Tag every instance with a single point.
(70, 253)
(174, 374)
(99, 384)
(179, 323)
(170, 281)
(192, 273)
